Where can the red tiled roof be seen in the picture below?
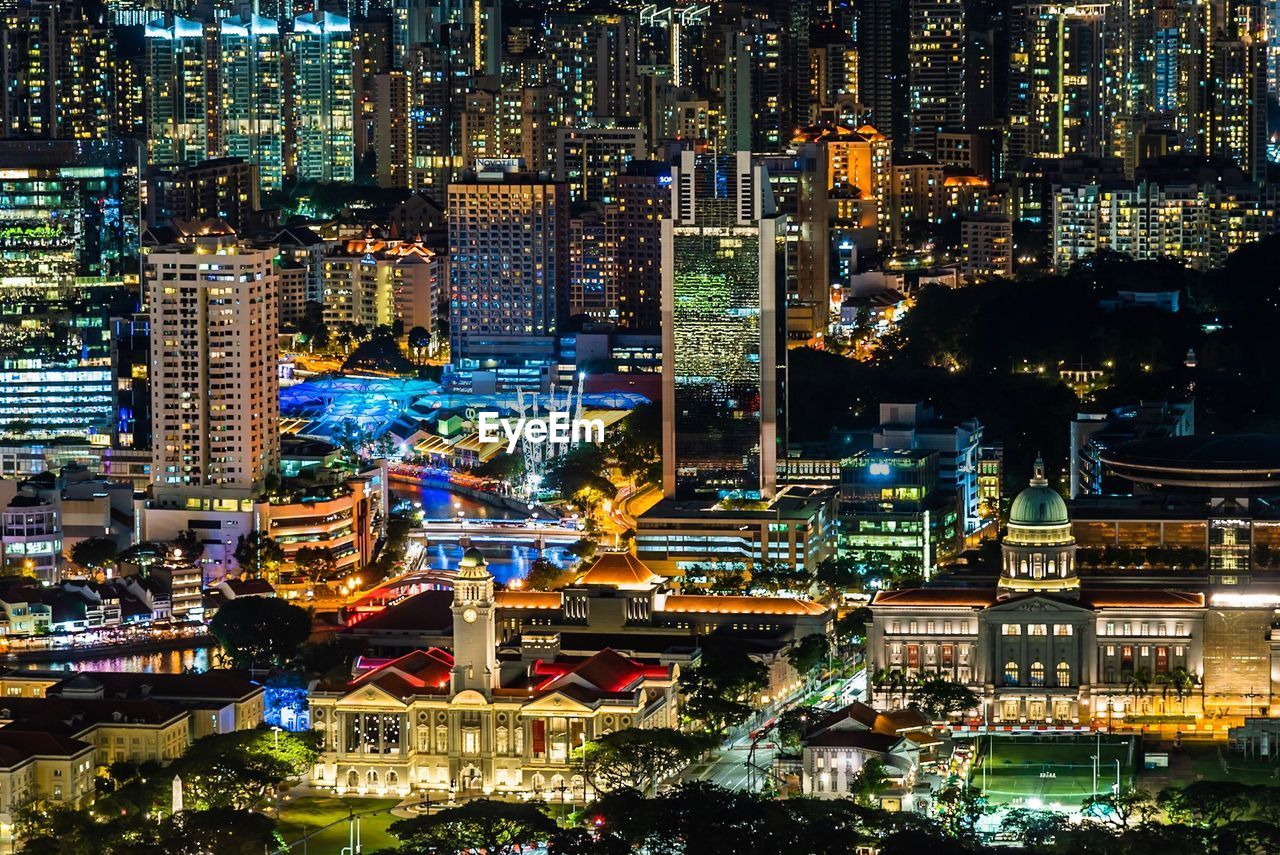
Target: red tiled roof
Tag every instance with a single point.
(31, 743)
(607, 671)
(418, 671)
(868, 739)
(1151, 597)
(738, 605)
(935, 597)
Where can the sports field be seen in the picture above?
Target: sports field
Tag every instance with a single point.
(1034, 771)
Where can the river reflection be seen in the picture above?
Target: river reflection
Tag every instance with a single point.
(440, 504)
(160, 662)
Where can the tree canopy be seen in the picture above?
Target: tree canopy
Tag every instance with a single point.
(720, 692)
(481, 825)
(95, 553)
(258, 631)
(639, 759)
(257, 554)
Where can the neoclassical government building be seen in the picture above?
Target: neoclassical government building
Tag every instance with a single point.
(1044, 648)
(469, 724)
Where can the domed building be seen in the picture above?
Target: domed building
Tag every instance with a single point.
(1042, 649)
(1038, 552)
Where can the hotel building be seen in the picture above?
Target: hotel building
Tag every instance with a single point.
(508, 269)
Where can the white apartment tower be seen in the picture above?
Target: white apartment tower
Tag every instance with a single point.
(214, 388)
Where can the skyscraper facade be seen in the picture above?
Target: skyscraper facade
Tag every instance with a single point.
(323, 97)
(251, 95)
(215, 390)
(883, 69)
(1057, 80)
(508, 268)
(177, 84)
(936, 50)
(55, 72)
(723, 330)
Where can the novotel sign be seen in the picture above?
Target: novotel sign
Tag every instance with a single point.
(556, 428)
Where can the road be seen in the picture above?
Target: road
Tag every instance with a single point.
(731, 769)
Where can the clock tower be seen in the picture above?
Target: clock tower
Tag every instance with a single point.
(475, 655)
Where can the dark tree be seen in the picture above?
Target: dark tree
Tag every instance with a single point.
(190, 544)
(543, 575)
(315, 562)
(95, 552)
(939, 697)
(257, 553)
(639, 759)
(721, 691)
(482, 825)
(808, 653)
(227, 831)
(257, 631)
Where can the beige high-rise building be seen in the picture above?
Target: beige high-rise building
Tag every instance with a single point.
(214, 387)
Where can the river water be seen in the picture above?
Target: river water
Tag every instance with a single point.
(440, 504)
(162, 662)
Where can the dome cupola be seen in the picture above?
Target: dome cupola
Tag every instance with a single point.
(1038, 551)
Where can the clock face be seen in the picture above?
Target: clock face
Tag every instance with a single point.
(470, 615)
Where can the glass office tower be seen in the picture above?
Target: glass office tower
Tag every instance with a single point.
(724, 328)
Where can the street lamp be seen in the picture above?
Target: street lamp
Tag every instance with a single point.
(275, 734)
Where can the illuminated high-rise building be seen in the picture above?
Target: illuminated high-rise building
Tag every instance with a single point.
(589, 159)
(594, 60)
(1238, 93)
(250, 95)
(882, 67)
(437, 81)
(757, 88)
(391, 128)
(936, 52)
(323, 97)
(178, 96)
(1057, 80)
(1180, 71)
(508, 269)
(70, 210)
(723, 330)
(633, 224)
(479, 22)
(71, 213)
(214, 388)
(55, 72)
(589, 262)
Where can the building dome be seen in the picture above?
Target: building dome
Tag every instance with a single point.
(473, 565)
(1038, 504)
(1038, 550)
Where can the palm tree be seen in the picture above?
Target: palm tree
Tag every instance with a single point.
(881, 678)
(1137, 683)
(1183, 682)
(1165, 682)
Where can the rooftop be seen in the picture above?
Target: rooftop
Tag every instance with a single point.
(619, 570)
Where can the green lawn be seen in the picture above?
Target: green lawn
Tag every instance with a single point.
(1206, 764)
(301, 815)
(1017, 770)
